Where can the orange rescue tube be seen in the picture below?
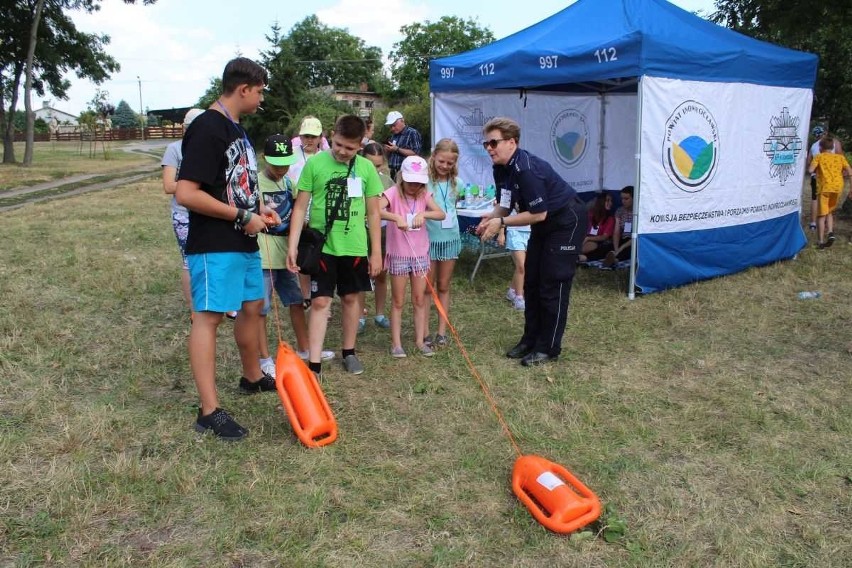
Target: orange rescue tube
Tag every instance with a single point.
(303, 399)
(557, 499)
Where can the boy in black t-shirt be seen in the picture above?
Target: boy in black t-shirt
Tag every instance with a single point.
(218, 184)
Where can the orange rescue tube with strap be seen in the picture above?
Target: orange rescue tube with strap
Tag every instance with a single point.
(557, 499)
(303, 399)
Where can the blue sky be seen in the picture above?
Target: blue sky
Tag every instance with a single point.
(175, 46)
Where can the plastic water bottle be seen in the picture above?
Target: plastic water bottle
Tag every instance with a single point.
(467, 196)
(809, 295)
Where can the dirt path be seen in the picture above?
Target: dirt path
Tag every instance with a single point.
(84, 183)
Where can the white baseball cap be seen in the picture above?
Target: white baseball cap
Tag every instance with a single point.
(191, 115)
(393, 116)
(415, 170)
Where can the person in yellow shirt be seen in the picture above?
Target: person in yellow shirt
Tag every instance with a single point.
(830, 169)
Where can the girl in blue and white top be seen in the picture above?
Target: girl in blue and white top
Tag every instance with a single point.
(444, 239)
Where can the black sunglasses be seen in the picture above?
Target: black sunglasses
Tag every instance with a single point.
(493, 143)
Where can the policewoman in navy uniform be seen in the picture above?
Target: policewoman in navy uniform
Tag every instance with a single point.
(557, 217)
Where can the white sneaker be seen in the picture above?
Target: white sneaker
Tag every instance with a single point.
(519, 303)
(511, 295)
(268, 367)
(324, 356)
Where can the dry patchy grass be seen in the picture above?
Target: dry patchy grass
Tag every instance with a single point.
(714, 418)
(57, 160)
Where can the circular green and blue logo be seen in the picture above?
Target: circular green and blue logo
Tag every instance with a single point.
(569, 137)
(691, 147)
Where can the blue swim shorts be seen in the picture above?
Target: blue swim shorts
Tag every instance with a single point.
(222, 281)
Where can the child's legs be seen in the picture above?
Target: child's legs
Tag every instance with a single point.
(184, 285)
(833, 198)
(202, 357)
(442, 277)
(418, 299)
(353, 279)
(397, 302)
(262, 338)
(246, 334)
(381, 291)
(814, 200)
(300, 326)
(305, 284)
(289, 291)
(518, 257)
(351, 313)
(223, 282)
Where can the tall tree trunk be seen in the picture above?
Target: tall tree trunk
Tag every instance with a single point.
(28, 84)
(9, 134)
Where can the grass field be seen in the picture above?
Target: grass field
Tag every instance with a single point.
(57, 160)
(713, 420)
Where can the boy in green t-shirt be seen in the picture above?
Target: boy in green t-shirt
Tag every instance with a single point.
(339, 176)
(277, 192)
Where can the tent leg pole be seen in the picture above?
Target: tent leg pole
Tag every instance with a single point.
(631, 291)
(432, 119)
(602, 141)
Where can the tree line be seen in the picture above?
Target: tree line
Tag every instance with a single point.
(42, 44)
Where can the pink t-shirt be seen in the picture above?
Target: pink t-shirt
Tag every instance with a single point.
(397, 245)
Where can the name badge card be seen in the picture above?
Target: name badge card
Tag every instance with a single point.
(409, 219)
(505, 199)
(353, 187)
(448, 223)
(593, 231)
(628, 227)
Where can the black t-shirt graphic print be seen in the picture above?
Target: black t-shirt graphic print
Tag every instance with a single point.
(216, 155)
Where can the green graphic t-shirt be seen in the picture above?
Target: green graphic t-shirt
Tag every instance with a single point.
(325, 179)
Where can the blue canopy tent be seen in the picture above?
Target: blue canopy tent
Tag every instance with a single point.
(707, 124)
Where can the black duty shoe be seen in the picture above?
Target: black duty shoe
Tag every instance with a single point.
(265, 384)
(221, 424)
(518, 351)
(537, 358)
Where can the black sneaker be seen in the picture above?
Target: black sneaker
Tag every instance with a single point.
(221, 424)
(265, 384)
(831, 237)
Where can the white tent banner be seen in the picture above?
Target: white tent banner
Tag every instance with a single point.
(720, 154)
(620, 140)
(461, 117)
(560, 128)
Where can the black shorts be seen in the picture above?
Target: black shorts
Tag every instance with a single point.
(346, 274)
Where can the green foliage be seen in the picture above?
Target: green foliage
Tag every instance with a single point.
(612, 526)
(330, 56)
(286, 90)
(20, 121)
(320, 105)
(819, 28)
(211, 94)
(428, 40)
(124, 117)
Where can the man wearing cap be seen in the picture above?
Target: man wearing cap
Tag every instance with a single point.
(404, 141)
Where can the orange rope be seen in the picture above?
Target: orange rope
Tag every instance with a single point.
(274, 299)
(473, 370)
